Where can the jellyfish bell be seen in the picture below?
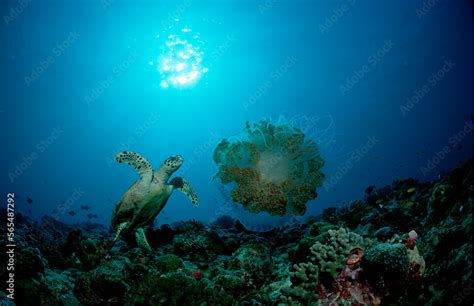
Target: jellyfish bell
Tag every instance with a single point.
(274, 169)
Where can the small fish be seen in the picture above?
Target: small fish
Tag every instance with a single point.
(72, 213)
(369, 189)
(459, 147)
(409, 204)
(54, 211)
(92, 216)
(29, 211)
(411, 190)
(29, 200)
(85, 207)
(63, 202)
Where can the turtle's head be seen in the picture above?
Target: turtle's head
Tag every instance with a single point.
(172, 163)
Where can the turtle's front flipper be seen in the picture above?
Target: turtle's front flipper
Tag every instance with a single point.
(182, 185)
(141, 165)
(141, 239)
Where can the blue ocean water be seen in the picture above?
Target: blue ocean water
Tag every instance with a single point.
(384, 89)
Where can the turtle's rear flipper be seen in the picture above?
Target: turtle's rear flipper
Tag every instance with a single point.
(182, 185)
(141, 165)
(141, 239)
(120, 228)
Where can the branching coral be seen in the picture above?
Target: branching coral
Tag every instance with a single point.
(275, 168)
(331, 255)
(306, 274)
(326, 261)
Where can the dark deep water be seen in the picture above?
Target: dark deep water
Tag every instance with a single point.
(384, 89)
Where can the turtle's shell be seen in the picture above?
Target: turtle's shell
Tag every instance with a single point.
(141, 204)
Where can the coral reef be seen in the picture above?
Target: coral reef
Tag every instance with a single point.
(376, 251)
(327, 258)
(275, 168)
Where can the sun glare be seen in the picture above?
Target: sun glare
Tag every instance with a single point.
(180, 61)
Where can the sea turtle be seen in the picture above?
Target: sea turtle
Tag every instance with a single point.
(144, 200)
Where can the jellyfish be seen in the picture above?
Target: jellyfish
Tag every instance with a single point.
(273, 168)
